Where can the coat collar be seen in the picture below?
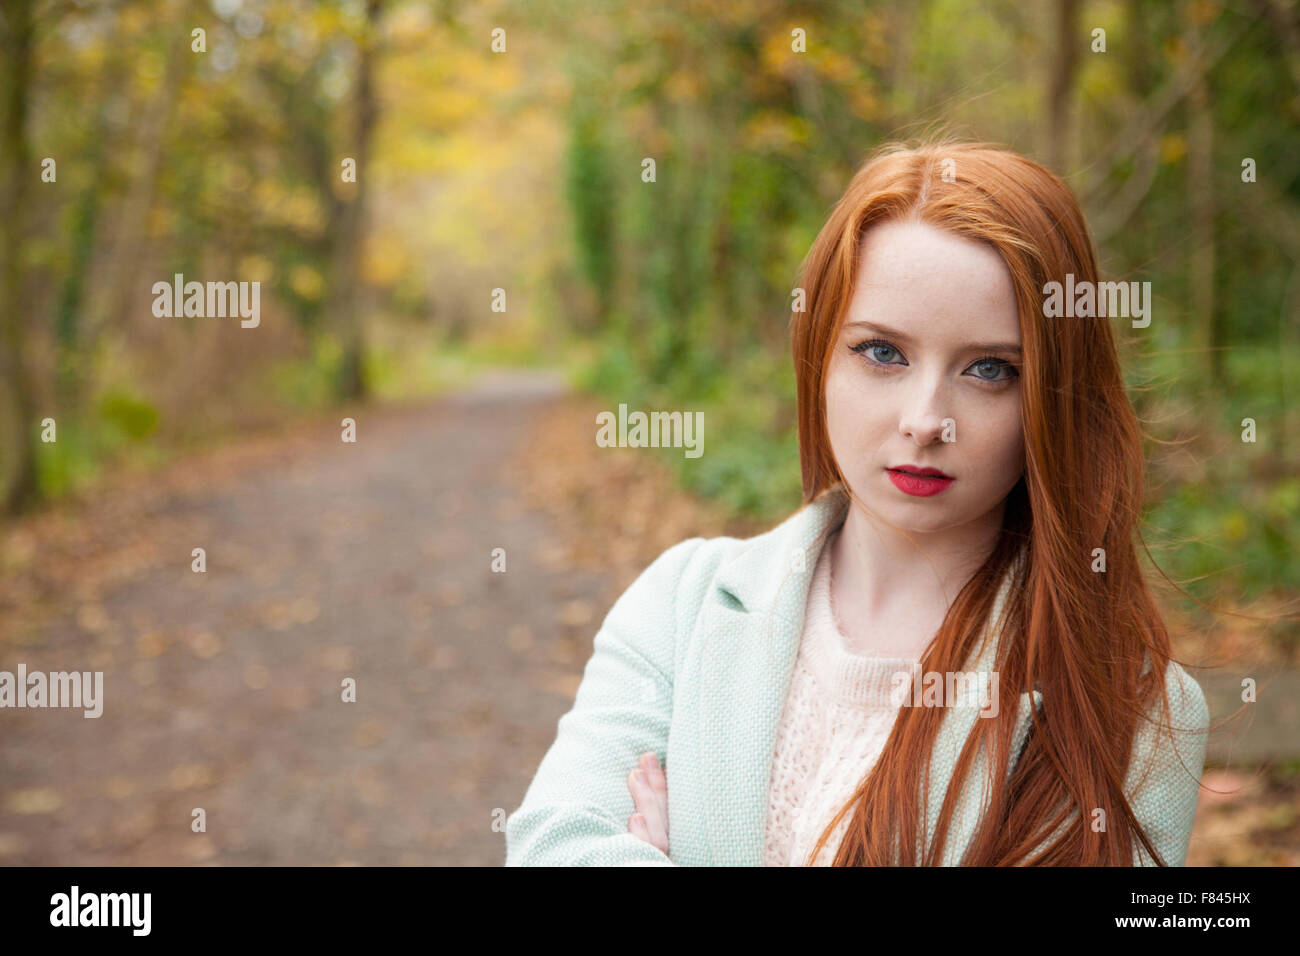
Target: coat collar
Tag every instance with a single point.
(772, 572)
(757, 605)
(759, 577)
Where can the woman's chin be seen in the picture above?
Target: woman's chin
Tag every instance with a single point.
(912, 515)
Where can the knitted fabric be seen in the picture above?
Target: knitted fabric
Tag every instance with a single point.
(836, 720)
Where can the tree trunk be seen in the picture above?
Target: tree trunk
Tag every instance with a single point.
(18, 423)
(1068, 38)
(1200, 184)
(73, 371)
(346, 302)
(1138, 63)
(129, 251)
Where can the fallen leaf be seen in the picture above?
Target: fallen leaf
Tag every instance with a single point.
(151, 643)
(205, 645)
(576, 613)
(191, 776)
(91, 618)
(33, 801)
(368, 733)
(519, 638)
(305, 610)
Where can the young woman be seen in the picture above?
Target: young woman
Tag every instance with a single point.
(972, 474)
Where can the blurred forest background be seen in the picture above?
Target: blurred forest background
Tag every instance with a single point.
(499, 218)
(519, 170)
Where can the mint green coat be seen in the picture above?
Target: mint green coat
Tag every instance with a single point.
(693, 662)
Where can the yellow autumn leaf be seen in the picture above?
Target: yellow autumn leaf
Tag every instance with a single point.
(306, 282)
(1173, 147)
(34, 800)
(385, 260)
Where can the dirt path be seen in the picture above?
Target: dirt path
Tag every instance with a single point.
(222, 690)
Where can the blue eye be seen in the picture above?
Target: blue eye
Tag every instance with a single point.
(997, 365)
(880, 353)
(875, 347)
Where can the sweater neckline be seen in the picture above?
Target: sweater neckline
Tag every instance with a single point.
(862, 680)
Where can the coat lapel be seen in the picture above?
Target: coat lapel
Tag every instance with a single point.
(752, 620)
(749, 630)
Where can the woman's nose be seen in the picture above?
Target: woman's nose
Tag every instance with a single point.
(926, 417)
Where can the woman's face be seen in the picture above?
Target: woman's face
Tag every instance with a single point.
(924, 375)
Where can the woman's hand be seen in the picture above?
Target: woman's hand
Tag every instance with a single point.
(649, 786)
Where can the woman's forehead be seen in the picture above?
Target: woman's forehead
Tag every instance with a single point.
(923, 283)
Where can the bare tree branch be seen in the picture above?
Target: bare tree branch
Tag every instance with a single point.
(1126, 201)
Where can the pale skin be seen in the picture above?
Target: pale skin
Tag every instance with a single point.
(929, 346)
(649, 786)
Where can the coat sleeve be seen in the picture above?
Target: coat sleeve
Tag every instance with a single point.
(576, 808)
(1163, 778)
(1165, 775)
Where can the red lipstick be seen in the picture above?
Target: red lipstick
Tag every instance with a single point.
(918, 481)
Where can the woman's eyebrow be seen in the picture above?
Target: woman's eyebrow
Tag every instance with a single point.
(904, 337)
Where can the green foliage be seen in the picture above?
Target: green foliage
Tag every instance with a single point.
(126, 416)
(749, 462)
(63, 465)
(119, 421)
(1230, 543)
(302, 383)
(614, 372)
(592, 198)
(749, 163)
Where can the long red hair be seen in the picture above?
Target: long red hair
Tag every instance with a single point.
(1094, 644)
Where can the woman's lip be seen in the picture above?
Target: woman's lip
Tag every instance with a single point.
(923, 472)
(919, 486)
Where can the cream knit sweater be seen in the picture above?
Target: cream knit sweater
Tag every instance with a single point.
(836, 719)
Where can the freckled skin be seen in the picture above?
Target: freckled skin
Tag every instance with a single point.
(943, 291)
